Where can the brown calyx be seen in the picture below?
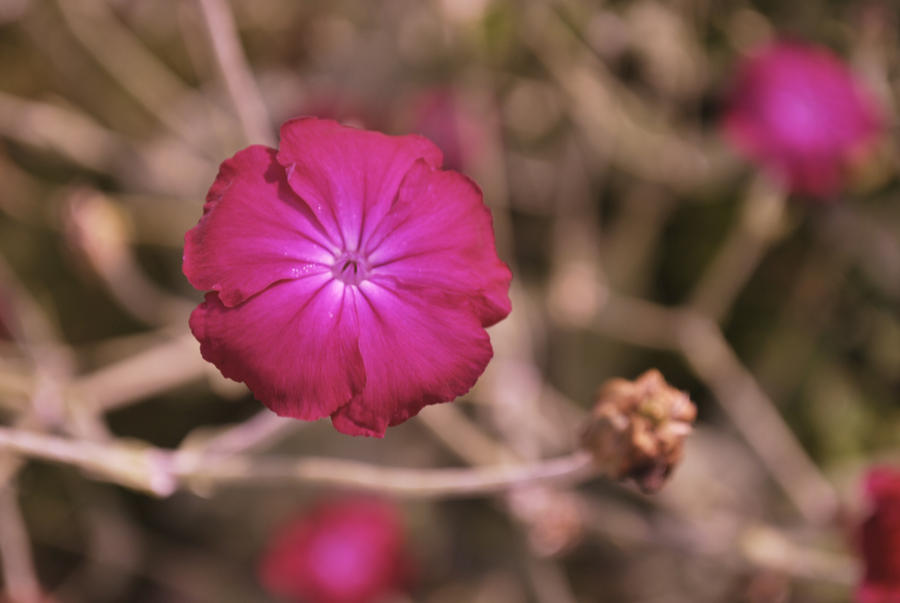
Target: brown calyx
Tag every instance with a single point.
(637, 429)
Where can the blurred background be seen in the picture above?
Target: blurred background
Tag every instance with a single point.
(638, 238)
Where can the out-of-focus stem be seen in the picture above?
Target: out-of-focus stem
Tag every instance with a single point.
(766, 547)
(147, 79)
(96, 227)
(436, 483)
(232, 63)
(761, 223)
(549, 581)
(256, 432)
(448, 424)
(19, 576)
(631, 240)
(609, 115)
(147, 373)
(756, 417)
(65, 131)
(162, 472)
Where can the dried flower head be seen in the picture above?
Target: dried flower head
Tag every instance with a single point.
(349, 276)
(637, 429)
(879, 538)
(799, 111)
(342, 551)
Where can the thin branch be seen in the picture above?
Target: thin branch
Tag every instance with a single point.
(146, 78)
(19, 576)
(419, 483)
(232, 63)
(456, 432)
(548, 581)
(162, 472)
(611, 116)
(755, 415)
(99, 230)
(259, 431)
(147, 373)
(761, 224)
(63, 130)
(767, 547)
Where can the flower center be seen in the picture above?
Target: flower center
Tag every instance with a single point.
(350, 267)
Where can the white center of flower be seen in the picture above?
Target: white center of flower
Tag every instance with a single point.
(350, 267)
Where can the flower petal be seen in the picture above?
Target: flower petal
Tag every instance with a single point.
(348, 177)
(254, 231)
(439, 234)
(294, 345)
(421, 345)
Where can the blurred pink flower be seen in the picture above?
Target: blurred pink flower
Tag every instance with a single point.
(349, 276)
(799, 111)
(880, 539)
(349, 551)
(439, 115)
(344, 107)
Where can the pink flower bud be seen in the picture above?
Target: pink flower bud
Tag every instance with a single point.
(345, 551)
(797, 110)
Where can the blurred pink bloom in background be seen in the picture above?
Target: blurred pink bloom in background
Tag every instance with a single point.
(799, 111)
(343, 106)
(439, 114)
(349, 276)
(880, 538)
(347, 551)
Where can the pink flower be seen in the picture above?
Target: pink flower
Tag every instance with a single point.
(342, 106)
(349, 551)
(880, 539)
(798, 110)
(439, 114)
(349, 276)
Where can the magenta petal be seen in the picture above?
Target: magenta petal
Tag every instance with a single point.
(439, 234)
(294, 345)
(420, 346)
(254, 231)
(348, 177)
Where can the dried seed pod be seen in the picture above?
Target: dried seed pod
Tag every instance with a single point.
(637, 429)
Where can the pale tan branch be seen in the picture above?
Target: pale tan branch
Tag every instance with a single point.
(619, 126)
(259, 431)
(760, 225)
(244, 93)
(19, 576)
(755, 415)
(150, 372)
(65, 131)
(765, 546)
(162, 472)
(146, 78)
